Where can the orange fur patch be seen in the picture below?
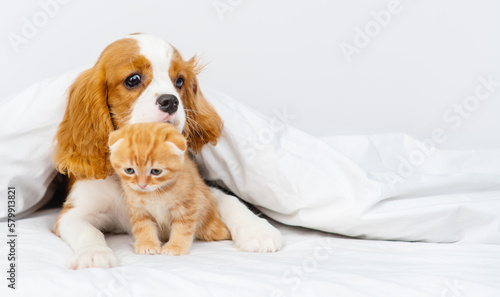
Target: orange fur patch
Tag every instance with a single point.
(178, 193)
(98, 104)
(66, 207)
(203, 124)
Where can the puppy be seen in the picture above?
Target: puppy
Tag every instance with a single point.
(137, 79)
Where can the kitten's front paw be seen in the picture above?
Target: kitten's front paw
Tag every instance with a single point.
(173, 250)
(101, 257)
(147, 248)
(257, 236)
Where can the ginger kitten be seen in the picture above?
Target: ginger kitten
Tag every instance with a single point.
(165, 195)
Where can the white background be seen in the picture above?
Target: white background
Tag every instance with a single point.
(286, 56)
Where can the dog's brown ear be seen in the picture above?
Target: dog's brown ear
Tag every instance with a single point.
(82, 137)
(203, 124)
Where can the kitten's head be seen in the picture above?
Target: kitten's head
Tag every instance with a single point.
(147, 156)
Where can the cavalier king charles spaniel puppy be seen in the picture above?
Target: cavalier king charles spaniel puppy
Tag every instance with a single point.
(140, 78)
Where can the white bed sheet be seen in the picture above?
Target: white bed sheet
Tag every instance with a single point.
(312, 263)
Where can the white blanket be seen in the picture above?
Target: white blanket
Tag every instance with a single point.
(311, 263)
(386, 186)
(371, 186)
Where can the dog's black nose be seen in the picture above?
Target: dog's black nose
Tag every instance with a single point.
(168, 103)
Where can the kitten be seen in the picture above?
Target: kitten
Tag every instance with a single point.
(165, 195)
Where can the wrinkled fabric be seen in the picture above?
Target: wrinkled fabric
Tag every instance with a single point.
(28, 124)
(387, 186)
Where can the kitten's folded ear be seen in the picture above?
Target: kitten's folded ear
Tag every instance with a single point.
(177, 142)
(113, 139)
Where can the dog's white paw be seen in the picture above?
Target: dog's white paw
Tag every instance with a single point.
(258, 236)
(102, 257)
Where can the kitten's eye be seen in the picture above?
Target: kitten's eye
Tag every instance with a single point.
(132, 81)
(179, 82)
(156, 171)
(129, 170)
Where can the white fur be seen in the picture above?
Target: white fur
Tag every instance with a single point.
(249, 232)
(99, 205)
(145, 109)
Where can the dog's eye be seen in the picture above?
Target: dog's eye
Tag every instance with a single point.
(156, 171)
(132, 81)
(179, 82)
(129, 170)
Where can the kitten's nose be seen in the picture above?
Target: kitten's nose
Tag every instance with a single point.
(142, 186)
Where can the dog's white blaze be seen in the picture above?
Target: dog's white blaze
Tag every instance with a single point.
(145, 109)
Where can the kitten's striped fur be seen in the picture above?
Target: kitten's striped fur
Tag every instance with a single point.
(174, 205)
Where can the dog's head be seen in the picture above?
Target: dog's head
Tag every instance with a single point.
(137, 79)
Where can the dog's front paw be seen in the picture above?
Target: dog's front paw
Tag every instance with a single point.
(147, 248)
(101, 257)
(257, 236)
(174, 250)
